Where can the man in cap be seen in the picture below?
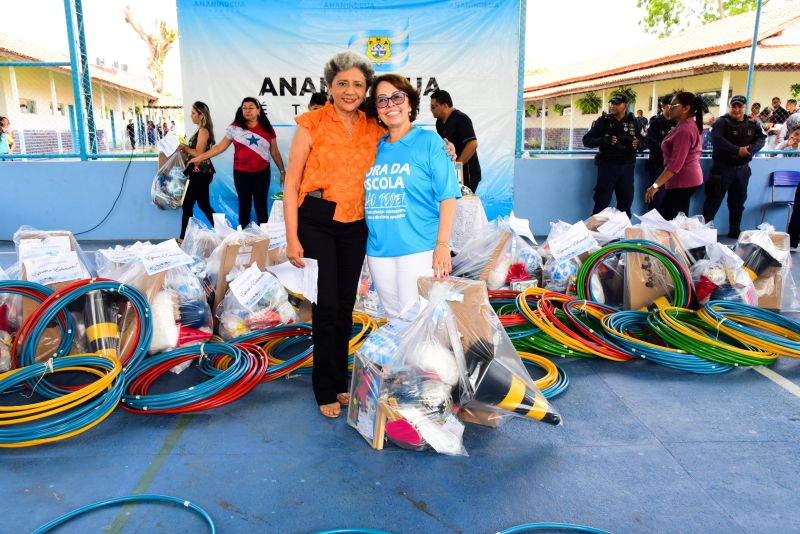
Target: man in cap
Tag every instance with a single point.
(735, 139)
(618, 138)
(660, 126)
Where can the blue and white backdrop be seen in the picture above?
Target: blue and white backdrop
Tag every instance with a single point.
(275, 50)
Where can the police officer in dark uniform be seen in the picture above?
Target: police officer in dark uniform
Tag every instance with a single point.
(735, 139)
(618, 137)
(659, 127)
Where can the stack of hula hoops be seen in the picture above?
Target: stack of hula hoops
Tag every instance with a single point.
(61, 392)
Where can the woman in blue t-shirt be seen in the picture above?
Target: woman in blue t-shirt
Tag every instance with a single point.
(410, 202)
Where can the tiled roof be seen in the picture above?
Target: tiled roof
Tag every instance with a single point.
(775, 57)
(24, 51)
(713, 39)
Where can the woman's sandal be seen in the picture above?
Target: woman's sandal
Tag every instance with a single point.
(343, 398)
(332, 410)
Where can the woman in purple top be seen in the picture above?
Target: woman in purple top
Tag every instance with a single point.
(682, 175)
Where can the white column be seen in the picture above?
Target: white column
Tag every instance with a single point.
(106, 131)
(13, 111)
(54, 103)
(544, 123)
(604, 102)
(571, 120)
(654, 104)
(122, 122)
(723, 99)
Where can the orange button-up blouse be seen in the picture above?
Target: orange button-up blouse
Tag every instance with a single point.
(338, 160)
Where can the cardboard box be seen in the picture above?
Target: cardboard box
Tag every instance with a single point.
(470, 312)
(51, 337)
(643, 273)
(236, 254)
(769, 285)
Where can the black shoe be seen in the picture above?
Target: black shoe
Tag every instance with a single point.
(734, 235)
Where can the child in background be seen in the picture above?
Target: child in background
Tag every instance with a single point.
(792, 142)
(5, 126)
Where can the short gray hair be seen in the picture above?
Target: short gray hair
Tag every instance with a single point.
(345, 61)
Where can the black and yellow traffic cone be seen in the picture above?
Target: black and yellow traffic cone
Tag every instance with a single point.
(499, 387)
(101, 333)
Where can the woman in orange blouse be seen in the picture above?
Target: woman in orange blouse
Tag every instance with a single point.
(323, 200)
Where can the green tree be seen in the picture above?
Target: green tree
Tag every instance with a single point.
(663, 17)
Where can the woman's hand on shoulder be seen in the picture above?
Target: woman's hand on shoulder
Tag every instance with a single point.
(450, 148)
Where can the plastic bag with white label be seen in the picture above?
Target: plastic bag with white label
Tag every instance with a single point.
(768, 262)
(500, 257)
(254, 300)
(52, 258)
(721, 277)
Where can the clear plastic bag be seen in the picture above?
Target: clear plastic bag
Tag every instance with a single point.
(721, 277)
(500, 257)
(559, 276)
(244, 239)
(170, 184)
(367, 299)
(267, 306)
(52, 258)
(200, 240)
(609, 225)
(695, 235)
(497, 381)
(768, 262)
(418, 386)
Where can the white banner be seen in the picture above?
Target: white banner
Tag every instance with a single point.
(275, 50)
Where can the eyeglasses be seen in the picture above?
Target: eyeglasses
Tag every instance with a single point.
(397, 98)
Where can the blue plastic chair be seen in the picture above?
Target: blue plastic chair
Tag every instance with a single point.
(782, 179)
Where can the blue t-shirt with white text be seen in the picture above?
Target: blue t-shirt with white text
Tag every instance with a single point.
(403, 188)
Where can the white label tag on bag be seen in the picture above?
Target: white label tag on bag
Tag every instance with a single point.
(250, 286)
(48, 246)
(615, 225)
(163, 256)
(244, 255)
(572, 243)
(53, 269)
(124, 255)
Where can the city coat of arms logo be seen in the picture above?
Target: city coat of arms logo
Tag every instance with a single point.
(379, 49)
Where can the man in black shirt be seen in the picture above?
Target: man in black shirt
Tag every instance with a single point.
(618, 138)
(456, 127)
(774, 114)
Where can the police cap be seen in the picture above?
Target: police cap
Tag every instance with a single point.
(738, 99)
(619, 98)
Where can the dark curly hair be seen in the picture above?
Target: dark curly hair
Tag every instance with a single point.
(401, 84)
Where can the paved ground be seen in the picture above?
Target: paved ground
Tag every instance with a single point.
(642, 449)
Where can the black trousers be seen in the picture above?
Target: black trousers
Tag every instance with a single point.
(731, 180)
(339, 249)
(614, 179)
(653, 172)
(252, 188)
(794, 221)
(677, 201)
(199, 182)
